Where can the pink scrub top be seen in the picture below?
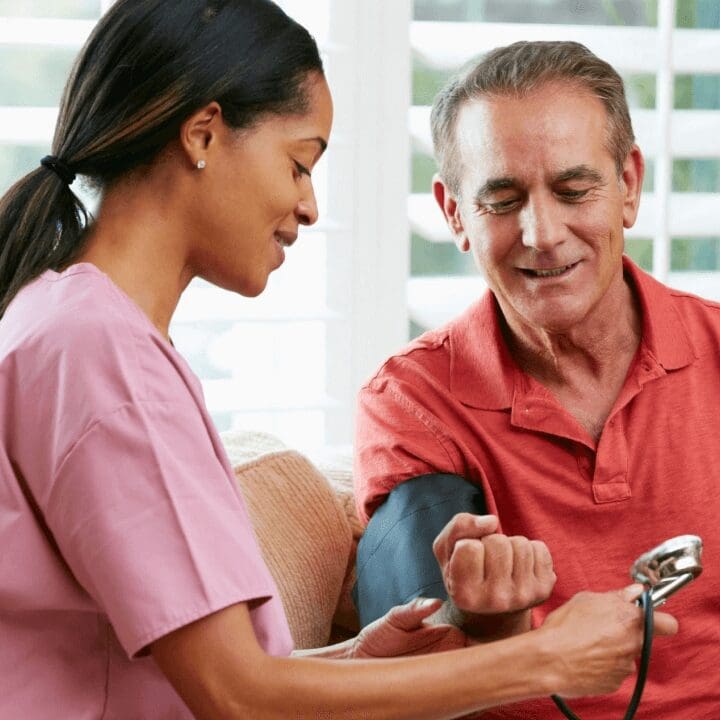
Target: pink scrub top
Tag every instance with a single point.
(120, 520)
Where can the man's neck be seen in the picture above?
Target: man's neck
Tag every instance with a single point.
(584, 366)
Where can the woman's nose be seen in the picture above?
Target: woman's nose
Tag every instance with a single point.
(306, 211)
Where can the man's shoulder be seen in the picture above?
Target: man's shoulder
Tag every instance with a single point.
(679, 319)
(690, 303)
(426, 355)
(700, 316)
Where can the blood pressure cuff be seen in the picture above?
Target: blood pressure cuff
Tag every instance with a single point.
(395, 561)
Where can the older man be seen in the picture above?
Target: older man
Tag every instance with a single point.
(579, 399)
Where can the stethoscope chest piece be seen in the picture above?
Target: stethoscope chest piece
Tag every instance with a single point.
(669, 566)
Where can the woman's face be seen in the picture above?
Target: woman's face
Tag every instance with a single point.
(256, 191)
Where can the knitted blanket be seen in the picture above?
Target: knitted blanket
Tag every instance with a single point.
(305, 521)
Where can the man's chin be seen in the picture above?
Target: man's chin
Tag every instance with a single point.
(557, 318)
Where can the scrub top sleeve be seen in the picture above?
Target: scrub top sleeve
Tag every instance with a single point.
(151, 524)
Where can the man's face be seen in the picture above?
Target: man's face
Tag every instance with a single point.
(541, 205)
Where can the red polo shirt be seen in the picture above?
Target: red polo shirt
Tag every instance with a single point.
(455, 402)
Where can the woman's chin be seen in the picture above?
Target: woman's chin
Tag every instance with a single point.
(254, 287)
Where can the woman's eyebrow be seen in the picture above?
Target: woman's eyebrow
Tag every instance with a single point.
(322, 143)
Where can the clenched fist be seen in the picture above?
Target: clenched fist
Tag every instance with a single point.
(490, 574)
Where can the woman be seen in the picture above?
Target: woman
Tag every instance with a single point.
(132, 585)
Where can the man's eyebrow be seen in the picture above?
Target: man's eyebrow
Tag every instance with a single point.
(493, 185)
(580, 172)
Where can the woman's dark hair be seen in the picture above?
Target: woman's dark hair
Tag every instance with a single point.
(147, 66)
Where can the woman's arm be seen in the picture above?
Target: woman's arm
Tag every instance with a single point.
(586, 647)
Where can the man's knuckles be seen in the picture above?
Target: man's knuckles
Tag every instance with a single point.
(461, 526)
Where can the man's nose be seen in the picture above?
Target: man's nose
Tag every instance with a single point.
(306, 211)
(541, 225)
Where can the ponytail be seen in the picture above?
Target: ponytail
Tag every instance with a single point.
(41, 226)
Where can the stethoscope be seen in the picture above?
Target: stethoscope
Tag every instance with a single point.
(663, 570)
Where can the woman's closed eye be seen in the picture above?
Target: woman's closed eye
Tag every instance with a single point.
(301, 170)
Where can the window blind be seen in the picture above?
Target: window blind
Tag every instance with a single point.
(669, 55)
(288, 362)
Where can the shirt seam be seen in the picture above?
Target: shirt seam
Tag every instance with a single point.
(438, 433)
(93, 424)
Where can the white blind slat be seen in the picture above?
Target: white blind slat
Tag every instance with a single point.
(435, 300)
(694, 133)
(53, 32)
(27, 124)
(448, 45)
(203, 304)
(691, 215)
(233, 396)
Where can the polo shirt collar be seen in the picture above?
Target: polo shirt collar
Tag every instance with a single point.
(482, 372)
(664, 336)
(484, 375)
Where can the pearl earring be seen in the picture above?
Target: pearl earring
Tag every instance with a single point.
(200, 164)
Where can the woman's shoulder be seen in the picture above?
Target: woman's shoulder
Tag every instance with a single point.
(74, 312)
(77, 328)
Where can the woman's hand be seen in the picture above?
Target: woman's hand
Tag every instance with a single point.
(404, 631)
(594, 639)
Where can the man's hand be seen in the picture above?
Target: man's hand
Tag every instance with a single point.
(495, 577)
(403, 631)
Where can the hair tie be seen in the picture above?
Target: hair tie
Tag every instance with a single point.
(59, 168)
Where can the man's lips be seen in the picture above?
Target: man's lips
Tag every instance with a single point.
(549, 272)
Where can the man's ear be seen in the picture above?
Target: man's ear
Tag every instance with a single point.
(200, 133)
(450, 209)
(632, 179)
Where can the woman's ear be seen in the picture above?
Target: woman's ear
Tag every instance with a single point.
(200, 131)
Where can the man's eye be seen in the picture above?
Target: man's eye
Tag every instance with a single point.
(573, 194)
(502, 206)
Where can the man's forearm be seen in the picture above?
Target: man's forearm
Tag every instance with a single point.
(484, 628)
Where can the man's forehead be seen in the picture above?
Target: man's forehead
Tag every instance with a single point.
(553, 101)
(550, 125)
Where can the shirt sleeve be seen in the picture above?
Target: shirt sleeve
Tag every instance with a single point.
(395, 440)
(151, 524)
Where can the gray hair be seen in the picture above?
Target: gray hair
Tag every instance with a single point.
(518, 69)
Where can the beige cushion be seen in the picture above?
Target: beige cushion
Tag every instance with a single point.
(304, 536)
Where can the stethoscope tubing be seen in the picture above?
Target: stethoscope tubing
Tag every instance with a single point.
(646, 603)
